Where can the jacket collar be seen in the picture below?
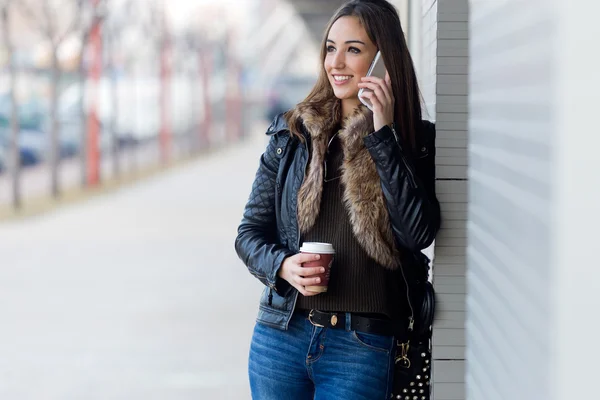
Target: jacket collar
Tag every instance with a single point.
(362, 193)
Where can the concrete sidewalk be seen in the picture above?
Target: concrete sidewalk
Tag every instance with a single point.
(136, 294)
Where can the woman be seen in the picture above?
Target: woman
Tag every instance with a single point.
(336, 172)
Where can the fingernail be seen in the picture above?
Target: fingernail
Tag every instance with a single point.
(318, 280)
(322, 269)
(317, 256)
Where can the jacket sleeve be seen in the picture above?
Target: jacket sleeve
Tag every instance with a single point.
(256, 243)
(410, 196)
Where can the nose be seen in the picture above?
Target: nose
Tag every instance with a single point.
(339, 60)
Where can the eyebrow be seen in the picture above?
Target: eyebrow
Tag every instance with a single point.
(349, 41)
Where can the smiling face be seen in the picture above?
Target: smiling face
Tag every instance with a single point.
(349, 56)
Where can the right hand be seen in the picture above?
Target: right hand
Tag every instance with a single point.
(292, 271)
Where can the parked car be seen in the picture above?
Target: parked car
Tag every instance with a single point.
(34, 133)
(288, 91)
(31, 139)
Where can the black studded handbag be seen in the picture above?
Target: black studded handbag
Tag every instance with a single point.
(412, 370)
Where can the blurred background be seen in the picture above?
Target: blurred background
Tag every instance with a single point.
(130, 132)
(94, 90)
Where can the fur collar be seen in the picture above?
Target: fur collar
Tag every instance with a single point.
(363, 196)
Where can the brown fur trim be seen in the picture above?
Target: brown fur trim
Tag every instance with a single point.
(363, 196)
(320, 126)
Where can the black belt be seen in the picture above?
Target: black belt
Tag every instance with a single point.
(359, 323)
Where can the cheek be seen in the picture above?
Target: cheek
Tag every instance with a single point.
(360, 64)
(362, 69)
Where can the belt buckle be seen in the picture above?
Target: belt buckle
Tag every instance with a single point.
(310, 315)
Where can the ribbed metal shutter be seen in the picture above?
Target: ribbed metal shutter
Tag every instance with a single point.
(510, 150)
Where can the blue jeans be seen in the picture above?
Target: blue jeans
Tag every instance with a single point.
(309, 362)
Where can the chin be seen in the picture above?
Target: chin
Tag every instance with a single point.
(345, 95)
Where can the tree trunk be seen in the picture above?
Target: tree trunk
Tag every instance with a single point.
(165, 93)
(195, 98)
(14, 152)
(15, 155)
(113, 128)
(136, 137)
(54, 125)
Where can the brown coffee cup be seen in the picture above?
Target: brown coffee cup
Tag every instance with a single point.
(327, 252)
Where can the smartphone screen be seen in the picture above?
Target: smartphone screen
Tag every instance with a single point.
(377, 69)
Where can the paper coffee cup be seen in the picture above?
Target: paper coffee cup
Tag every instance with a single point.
(327, 252)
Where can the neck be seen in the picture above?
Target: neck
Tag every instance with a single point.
(348, 106)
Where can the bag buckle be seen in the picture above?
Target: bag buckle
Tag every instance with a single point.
(403, 357)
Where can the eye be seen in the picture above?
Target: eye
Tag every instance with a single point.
(330, 49)
(354, 50)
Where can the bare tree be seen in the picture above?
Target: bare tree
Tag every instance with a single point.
(137, 25)
(14, 151)
(55, 23)
(196, 46)
(158, 31)
(189, 50)
(113, 28)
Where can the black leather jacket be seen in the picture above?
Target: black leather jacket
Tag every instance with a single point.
(269, 230)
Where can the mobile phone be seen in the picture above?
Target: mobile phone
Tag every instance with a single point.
(376, 69)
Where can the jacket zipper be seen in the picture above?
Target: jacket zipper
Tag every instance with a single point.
(257, 275)
(287, 323)
(278, 186)
(264, 277)
(411, 319)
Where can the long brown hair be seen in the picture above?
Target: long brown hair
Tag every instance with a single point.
(382, 23)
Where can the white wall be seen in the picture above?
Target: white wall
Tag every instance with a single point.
(533, 289)
(439, 44)
(512, 139)
(534, 194)
(575, 287)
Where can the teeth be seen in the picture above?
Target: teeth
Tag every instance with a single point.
(341, 78)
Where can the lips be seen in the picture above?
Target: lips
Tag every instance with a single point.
(339, 80)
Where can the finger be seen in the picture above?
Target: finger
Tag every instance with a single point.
(309, 271)
(309, 294)
(386, 89)
(307, 281)
(374, 100)
(382, 91)
(373, 79)
(302, 258)
(300, 289)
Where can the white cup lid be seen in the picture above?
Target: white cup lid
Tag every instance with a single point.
(317, 248)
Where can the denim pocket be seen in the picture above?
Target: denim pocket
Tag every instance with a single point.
(373, 341)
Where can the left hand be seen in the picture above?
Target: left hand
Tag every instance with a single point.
(382, 98)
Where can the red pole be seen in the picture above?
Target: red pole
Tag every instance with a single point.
(93, 122)
(237, 101)
(230, 87)
(206, 70)
(165, 75)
